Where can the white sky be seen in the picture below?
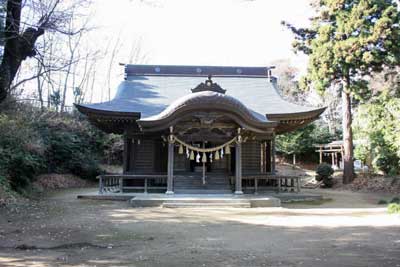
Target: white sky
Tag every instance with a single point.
(204, 32)
(188, 32)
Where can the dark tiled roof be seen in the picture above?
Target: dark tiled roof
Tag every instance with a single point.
(150, 95)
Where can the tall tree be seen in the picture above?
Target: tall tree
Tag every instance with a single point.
(20, 36)
(347, 41)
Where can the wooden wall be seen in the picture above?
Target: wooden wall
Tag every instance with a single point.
(251, 157)
(150, 156)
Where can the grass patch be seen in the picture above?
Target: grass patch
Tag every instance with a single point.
(394, 208)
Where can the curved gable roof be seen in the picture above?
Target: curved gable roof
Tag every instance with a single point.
(149, 89)
(207, 101)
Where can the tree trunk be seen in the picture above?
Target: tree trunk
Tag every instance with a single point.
(348, 169)
(17, 46)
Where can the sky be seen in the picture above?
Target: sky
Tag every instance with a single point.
(183, 32)
(203, 32)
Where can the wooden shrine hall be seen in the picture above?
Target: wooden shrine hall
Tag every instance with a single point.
(195, 129)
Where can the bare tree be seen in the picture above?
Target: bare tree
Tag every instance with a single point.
(25, 22)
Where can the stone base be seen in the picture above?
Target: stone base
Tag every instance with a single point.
(204, 201)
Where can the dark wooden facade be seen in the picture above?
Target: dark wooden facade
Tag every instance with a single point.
(150, 156)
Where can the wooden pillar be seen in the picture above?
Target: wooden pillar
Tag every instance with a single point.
(125, 154)
(170, 179)
(238, 171)
(320, 155)
(298, 185)
(101, 185)
(273, 154)
(342, 155)
(121, 185)
(279, 184)
(268, 156)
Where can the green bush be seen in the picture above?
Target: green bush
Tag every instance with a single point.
(20, 155)
(395, 200)
(72, 145)
(394, 208)
(324, 173)
(382, 202)
(33, 142)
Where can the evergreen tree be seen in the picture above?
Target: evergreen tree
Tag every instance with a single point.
(347, 41)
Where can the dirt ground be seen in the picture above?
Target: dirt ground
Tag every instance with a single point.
(60, 230)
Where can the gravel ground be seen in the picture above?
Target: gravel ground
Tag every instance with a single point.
(60, 230)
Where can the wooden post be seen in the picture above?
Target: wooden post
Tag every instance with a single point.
(101, 185)
(170, 179)
(145, 185)
(125, 154)
(238, 173)
(333, 159)
(255, 185)
(342, 156)
(298, 185)
(273, 154)
(279, 184)
(121, 185)
(320, 155)
(268, 156)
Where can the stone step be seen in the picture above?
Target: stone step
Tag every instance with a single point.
(199, 183)
(202, 191)
(206, 205)
(207, 199)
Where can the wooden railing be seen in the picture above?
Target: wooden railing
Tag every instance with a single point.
(114, 183)
(284, 183)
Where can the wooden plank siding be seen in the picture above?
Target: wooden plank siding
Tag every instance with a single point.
(150, 156)
(251, 157)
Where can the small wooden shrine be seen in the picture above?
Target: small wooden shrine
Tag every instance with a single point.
(191, 129)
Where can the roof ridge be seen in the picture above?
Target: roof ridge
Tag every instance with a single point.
(193, 70)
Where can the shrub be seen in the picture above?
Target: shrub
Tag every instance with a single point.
(324, 173)
(382, 202)
(113, 149)
(33, 142)
(20, 155)
(72, 145)
(395, 200)
(394, 208)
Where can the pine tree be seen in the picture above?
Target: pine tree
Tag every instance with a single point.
(349, 40)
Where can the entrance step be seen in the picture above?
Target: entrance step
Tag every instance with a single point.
(202, 191)
(193, 184)
(204, 201)
(207, 203)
